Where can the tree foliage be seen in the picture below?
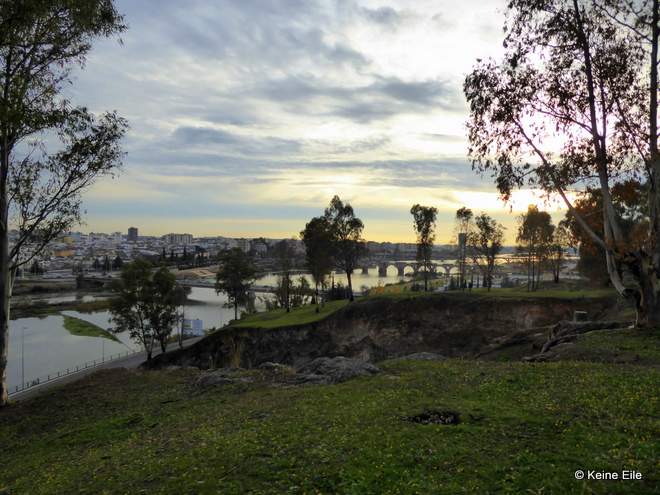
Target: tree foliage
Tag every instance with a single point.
(235, 277)
(319, 254)
(424, 218)
(145, 304)
(484, 243)
(348, 245)
(573, 104)
(463, 226)
(535, 231)
(41, 42)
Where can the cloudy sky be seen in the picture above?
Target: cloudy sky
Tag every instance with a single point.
(247, 116)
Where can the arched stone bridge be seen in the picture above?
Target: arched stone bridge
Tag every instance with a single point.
(402, 265)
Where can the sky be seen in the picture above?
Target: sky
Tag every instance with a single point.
(248, 116)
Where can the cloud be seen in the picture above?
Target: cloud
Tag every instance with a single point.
(380, 99)
(254, 104)
(246, 145)
(382, 15)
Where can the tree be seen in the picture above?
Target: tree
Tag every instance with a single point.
(484, 244)
(106, 264)
(560, 241)
(424, 218)
(630, 203)
(163, 314)
(347, 241)
(300, 292)
(145, 304)
(318, 240)
(574, 104)
(96, 265)
(181, 293)
(235, 277)
(284, 255)
(117, 263)
(535, 230)
(36, 269)
(40, 43)
(464, 226)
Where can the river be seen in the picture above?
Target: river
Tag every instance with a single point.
(42, 346)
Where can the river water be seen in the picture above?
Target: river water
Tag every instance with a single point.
(39, 347)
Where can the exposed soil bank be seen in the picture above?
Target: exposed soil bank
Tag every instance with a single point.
(377, 329)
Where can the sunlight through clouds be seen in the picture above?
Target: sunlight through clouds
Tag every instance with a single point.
(248, 116)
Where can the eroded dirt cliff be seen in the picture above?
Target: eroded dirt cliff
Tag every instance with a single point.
(377, 329)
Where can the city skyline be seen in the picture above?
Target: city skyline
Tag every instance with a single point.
(250, 131)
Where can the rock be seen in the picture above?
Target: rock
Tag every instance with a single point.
(334, 370)
(424, 356)
(225, 376)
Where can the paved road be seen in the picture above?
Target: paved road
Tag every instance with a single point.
(132, 361)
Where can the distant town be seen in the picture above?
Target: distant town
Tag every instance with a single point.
(78, 252)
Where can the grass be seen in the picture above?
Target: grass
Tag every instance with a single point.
(525, 428)
(83, 328)
(510, 293)
(34, 310)
(307, 314)
(297, 316)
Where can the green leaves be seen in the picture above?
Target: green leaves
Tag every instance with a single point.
(146, 303)
(235, 276)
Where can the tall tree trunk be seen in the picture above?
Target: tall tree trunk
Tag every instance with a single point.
(235, 311)
(5, 275)
(183, 318)
(648, 305)
(5, 294)
(647, 298)
(316, 290)
(350, 285)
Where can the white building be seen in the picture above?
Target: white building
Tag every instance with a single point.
(178, 239)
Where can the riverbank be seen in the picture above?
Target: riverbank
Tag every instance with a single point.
(36, 309)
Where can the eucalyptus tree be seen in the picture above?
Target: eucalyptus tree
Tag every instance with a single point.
(485, 242)
(235, 277)
(535, 230)
(347, 240)
(318, 240)
(464, 224)
(573, 103)
(285, 257)
(41, 42)
(424, 218)
(556, 258)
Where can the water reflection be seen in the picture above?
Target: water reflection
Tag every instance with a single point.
(42, 346)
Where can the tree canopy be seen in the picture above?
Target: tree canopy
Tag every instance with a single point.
(235, 277)
(573, 104)
(424, 218)
(346, 229)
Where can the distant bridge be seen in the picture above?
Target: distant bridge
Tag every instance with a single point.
(401, 267)
(209, 284)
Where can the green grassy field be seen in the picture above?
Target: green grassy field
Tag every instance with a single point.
(297, 316)
(307, 314)
(524, 428)
(83, 328)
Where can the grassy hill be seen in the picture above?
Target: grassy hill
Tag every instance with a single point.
(524, 428)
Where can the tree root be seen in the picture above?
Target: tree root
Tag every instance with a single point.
(568, 331)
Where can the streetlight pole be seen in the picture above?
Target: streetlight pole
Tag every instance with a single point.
(22, 357)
